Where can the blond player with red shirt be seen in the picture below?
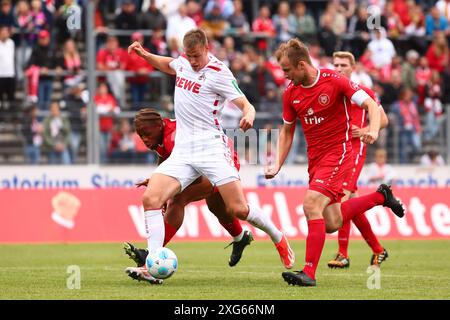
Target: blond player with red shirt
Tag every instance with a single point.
(344, 63)
(320, 99)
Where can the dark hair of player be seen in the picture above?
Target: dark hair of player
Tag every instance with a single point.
(147, 117)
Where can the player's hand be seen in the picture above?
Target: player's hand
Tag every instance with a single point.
(246, 123)
(369, 137)
(136, 47)
(271, 171)
(142, 183)
(357, 132)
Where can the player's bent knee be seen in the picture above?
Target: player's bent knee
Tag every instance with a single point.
(150, 201)
(238, 211)
(333, 225)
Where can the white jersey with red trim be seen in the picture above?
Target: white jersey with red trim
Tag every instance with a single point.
(199, 99)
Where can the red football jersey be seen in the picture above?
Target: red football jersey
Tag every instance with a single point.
(165, 149)
(358, 114)
(323, 109)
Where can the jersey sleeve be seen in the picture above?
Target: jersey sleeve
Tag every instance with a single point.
(175, 63)
(226, 85)
(289, 113)
(352, 91)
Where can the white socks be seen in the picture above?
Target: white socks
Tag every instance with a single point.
(154, 226)
(257, 218)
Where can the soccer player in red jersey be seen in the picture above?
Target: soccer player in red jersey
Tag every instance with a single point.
(344, 63)
(321, 100)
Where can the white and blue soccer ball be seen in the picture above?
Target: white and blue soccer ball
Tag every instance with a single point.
(161, 263)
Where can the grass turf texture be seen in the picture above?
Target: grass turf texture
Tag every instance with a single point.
(414, 270)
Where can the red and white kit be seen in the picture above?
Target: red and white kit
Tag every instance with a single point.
(201, 146)
(324, 111)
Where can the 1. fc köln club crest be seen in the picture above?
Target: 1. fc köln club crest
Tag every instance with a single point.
(324, 99)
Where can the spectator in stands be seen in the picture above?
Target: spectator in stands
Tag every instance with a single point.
(230, 49)
(141, 69)
(438, 52)
(416, 30)
(391, 90)
(409, 70)
(226, 7)
(127, 19)
(107, 109)
(238, 21)
(113, 59)
(61, 16)
(40, 70)
(7, 72)
(432, 158)
(169, 8)
(25, 35)
(381, 48)
(157, 43)
(6, 14)
(72, 64)
(75, 105)
(379, 171)
(38, 17)
(153, 19)
(284, 23)
(123, 148)
(270, 104)
(434, 21)
(433, 106)
(395, 25)
(178, 25)
(263, 25)
(444, 8)
(241, 72)
(32, 130)
(358, 27)
(101, 28)
(261, 76)
(194, 11)
(326, 36)
(305, 23)
(422, 75)
(410, 127)
(57, 136)
(360, 76)
(214, 22)
(338, 20)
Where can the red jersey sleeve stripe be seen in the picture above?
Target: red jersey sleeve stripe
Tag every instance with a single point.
(214, 68)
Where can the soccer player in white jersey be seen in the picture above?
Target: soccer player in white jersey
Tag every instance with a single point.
(203, 83)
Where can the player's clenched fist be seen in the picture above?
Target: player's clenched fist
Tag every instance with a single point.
(369, 137)
(246, 123)
(271, 171)
(137, 47)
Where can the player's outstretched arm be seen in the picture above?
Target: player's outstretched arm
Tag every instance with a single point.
(284, 145)
(159, 62)
(357, 132)
(248, 111)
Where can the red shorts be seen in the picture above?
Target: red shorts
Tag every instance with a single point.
(359, 149)
(328, 172)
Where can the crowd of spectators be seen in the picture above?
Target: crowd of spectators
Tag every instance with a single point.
(401, 47)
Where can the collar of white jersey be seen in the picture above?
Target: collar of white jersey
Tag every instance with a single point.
(315, 81)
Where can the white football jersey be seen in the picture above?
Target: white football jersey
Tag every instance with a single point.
(199, 99)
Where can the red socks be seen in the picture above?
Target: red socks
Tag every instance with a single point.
(356, 206)
(169, 232)
(314, 246)
(364, 227)
(343, 235)
(234, 228)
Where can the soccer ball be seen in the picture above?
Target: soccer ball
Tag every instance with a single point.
(161, 263)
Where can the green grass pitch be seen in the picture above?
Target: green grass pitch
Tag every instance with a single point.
(414, 270)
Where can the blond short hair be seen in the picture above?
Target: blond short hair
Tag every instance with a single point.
(195, 37)
(295, 51)
(345, 55)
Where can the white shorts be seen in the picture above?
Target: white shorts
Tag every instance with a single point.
(213, 160)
